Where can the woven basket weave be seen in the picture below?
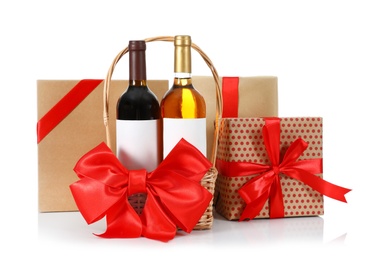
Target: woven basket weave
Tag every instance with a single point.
(209, 179)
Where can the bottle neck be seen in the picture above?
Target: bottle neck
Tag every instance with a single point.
(137, 68)
(182, 79)
(182, 75)
(182, 60)
(138, 83)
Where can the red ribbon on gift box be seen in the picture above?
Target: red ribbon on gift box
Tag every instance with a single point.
(230, 94)
(65, 106)
(175, 197)
(267, 184)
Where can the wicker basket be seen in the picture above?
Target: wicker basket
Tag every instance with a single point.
(209, 179)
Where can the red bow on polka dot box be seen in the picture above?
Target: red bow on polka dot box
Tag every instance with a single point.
(271, 168)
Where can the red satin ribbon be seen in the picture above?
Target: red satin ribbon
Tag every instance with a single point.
(65, 106)
(175, 197)
(230, 94)
(267, 184)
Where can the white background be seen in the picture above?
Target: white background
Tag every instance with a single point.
(318, 49)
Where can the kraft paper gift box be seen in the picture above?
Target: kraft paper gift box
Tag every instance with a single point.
(271, 168)
(254, 96)
(62, 144)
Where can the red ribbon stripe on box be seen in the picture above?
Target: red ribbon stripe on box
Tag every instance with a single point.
(175, 197)
(65, 106)
(267, 184)
(230, 94)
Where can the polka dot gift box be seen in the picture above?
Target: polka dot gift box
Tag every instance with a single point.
(271, 168)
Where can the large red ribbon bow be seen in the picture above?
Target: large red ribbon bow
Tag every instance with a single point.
(175, 197)
(267, 185)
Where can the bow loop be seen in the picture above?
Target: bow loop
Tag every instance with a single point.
(101, 165)
(295, 150)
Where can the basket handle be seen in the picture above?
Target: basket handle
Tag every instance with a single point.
(208, 62)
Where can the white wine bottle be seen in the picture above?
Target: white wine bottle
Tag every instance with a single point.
(183, 108)
(138, 124)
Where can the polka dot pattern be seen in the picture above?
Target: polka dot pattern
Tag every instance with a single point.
(241, 140)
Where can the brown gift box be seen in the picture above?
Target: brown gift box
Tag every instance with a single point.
(258, 97)
(83, 129)
(241, 141)
(76, 134)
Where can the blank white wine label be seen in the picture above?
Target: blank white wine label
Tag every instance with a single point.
(192, 130)
(139, 144)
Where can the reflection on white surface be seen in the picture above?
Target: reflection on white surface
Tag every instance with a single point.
(270, 237)
(71, 227)
(272, 231)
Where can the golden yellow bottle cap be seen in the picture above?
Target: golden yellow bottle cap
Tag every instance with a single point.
(182, 40)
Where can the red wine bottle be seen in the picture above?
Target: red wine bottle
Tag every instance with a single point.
(138, 125)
